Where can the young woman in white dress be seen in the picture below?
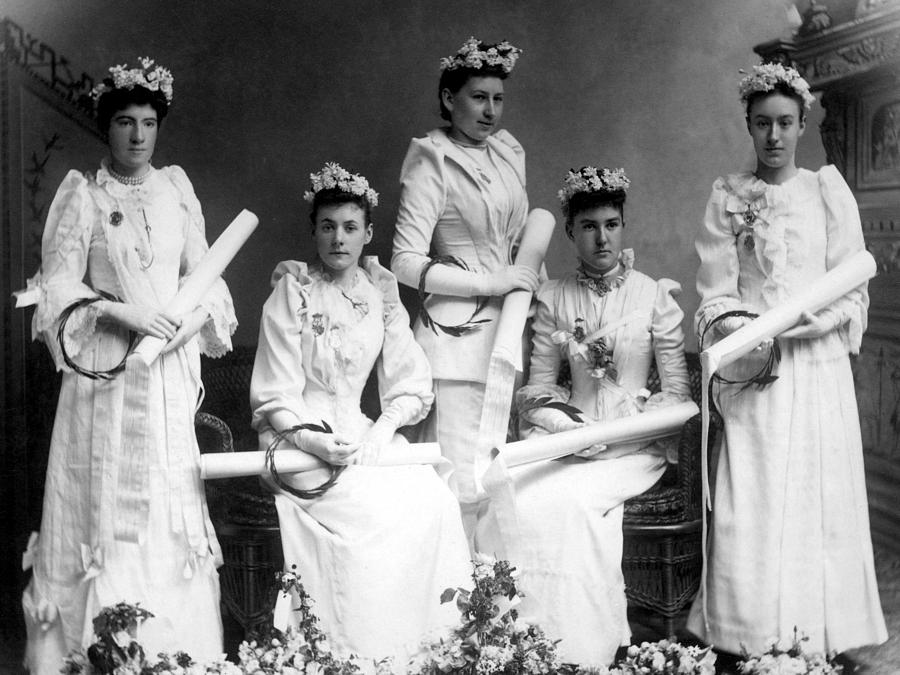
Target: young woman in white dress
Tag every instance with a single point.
(125, 515)
(374, 545)
(789, 544)
(569, 512)
(462, 210)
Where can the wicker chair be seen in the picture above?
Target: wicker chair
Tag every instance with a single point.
(662, 549)
(242, 512)
(663, 552)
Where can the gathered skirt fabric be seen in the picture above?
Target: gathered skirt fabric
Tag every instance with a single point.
(790, 543)
(375, 553)
(569, 548)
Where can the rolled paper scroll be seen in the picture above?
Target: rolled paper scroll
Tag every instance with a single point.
(201, 279)
(234, 464)
(643, 427)
(831, 286)
(506, 354)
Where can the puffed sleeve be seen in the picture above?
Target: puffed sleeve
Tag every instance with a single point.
(668, 346)
(278, 379)
(717, 277)
(422, 200)
(215, 335)
(404, 375)
(65, 247)
(546, 356)
(845, 238)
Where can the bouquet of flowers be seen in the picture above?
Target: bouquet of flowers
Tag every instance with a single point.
(777, 660)
(300, 651)
(665, 657)
(490, 637)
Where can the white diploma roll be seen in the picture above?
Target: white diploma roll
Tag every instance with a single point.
(532, 249)
(506, 352)
(210, 268)
(832, 286)
(645, 426)
(234, 464)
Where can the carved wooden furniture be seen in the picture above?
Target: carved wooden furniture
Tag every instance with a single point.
(855, 65)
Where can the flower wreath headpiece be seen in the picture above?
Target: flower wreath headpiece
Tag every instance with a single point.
(766, 75)
(334, 176)
(476, 55)
(149, 76)
(591, 179)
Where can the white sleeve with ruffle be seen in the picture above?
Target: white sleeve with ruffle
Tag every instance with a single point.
(422, 200)
(717, 277)
(215, 335)
(404, 375)
(668, 346)
(279, 378)
(845, 238)
(65, 247)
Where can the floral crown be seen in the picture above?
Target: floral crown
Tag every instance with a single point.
(766, 75)
(334, 176)
(154, 78)
(591, 179)
(476, 55)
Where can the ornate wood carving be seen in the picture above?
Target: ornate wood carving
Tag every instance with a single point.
(842, 51)
(834, 130)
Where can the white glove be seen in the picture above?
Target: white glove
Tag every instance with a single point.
(507, 279)
(731, 324)
(378, 437)
(812, 326)
(551, 420)
(331, 448)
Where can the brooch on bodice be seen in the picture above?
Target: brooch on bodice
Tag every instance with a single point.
(599, 285)
(750, 216)
(318, 325)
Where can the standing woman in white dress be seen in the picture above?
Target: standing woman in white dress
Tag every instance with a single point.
(462, 210)
(125, 515)
(605, 323)
(790, 543)
(374, 545)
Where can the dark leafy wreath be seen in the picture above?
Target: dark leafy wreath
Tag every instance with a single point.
(764, 376)
(86, 372)
(460, 329)
(571, 411)
(302, 494)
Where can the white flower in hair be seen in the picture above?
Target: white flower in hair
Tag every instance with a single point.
(592, 179)
(149, 76)
(476, 55)
(766, 76)
(334, 176)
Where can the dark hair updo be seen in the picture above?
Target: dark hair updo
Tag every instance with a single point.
(338, 197)
(453, 80)
(588, 201)
(778, 88)
(115, 100)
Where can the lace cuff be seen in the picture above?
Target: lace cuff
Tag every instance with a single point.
(215, 335)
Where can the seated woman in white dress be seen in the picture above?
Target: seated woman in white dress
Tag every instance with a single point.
(374, 545)
(609, 322)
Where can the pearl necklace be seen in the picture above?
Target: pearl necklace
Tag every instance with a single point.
(128, 180)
